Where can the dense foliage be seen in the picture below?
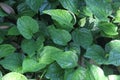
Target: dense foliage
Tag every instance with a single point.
(60, 40)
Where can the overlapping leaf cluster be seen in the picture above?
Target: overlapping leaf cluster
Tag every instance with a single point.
(59, 39)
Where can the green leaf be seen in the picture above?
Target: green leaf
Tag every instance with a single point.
(117, 17)
(34, 4)
(113, 48)
(78, 74)
(114, 77)
(13, 31)
(0, 75)
(27, 26)
(14, 76)
(13, 62)
(95, 73)
(101, 8)
(71, 5)
(82, 37)
(54, 72)
(108, 28)
(6, 49)
(2, 14)
(67, 59)
(48, 54)
(29, 47)
(31, 65)
(60, 37)
(62, 17)
(96, 53)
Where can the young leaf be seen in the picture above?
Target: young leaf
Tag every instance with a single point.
(117, 17)
(114, 77)
(48, 54)
(108, 28)
(13, 62)
(78, 74)
(6, 49)
(95, 73)
(63, 17)
(31, 65)
(82, 37)
(27, 26)
(14, 76)
(60, 37)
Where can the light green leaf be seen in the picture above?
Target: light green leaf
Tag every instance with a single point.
(82, 37)
(0, 75)
(31, 65)
(117, 17)
(29, 47)
(108, 28)
(114, 77)
(14, 76)
(6, 49)
(95, 73)
(113, 48)
(34, 4)
(62, 17)
(60, 37)
(27, 26)
(13, 31)
(78, 74)
(71, 5)
(101, 8)
(96, 53)
(13, 62)
(67, 59)
(54, 72)
(48, 54)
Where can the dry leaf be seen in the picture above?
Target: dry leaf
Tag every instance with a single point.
(8, 9)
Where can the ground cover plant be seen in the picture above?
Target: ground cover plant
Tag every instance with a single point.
(59, 39)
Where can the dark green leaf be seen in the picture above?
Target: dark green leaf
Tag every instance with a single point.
(96, 53)
(60, 37)
(27, 26)
(6, 49)
(54, 72)
(67, 59)
(13, 31)
(113, 48)
(101, 8)
(13, 62)
(34, 4)
(29, 47)
(82, 37)
(71, 5)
